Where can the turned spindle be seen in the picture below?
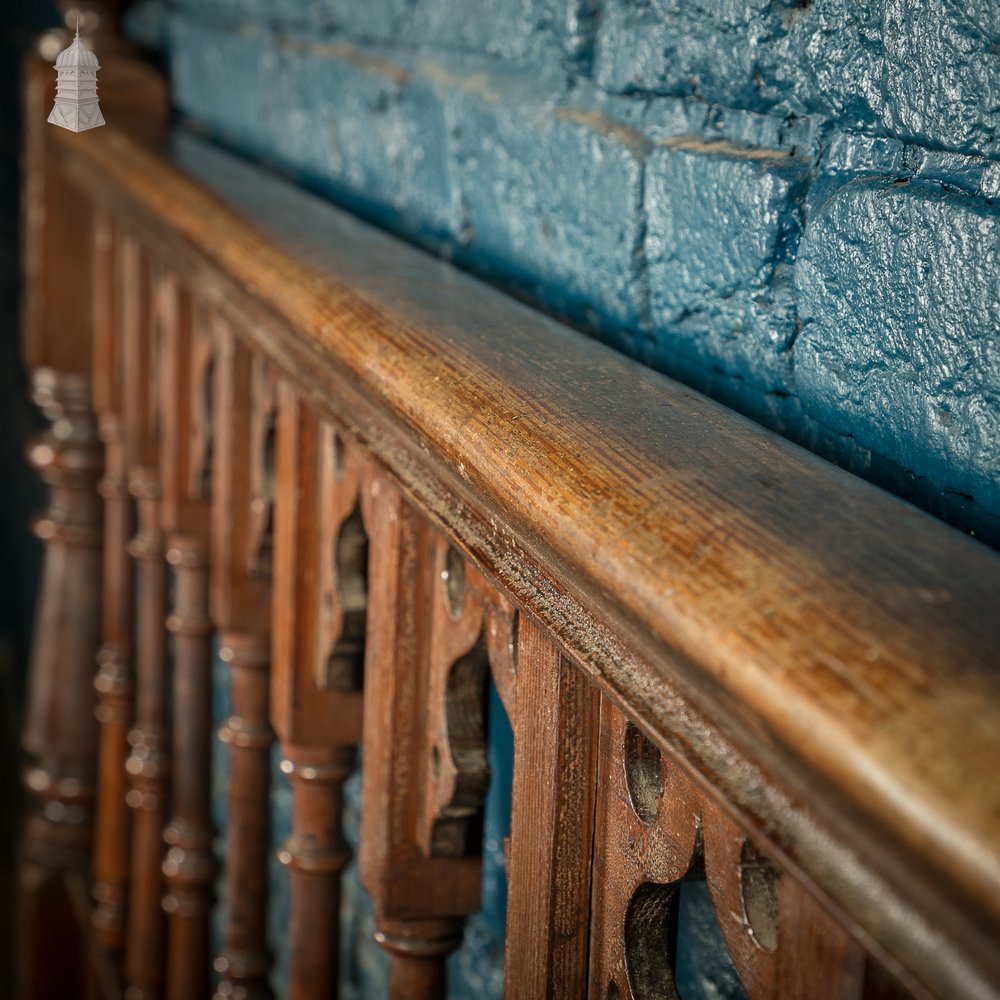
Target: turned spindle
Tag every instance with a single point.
(320, 601)
(242, 544)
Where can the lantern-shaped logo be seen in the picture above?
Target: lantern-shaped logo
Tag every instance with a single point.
(76, 106)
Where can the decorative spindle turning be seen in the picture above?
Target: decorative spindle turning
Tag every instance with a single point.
(60, 729)
(148, 764)
(114, 680)
(185, 367)
(242, 543)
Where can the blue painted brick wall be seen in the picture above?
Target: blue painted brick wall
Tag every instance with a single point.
(790, 205)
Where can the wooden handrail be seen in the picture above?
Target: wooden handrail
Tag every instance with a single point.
(821, 653)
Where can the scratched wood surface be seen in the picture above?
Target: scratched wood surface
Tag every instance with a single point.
(740, 596)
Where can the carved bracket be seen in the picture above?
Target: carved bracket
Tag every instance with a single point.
(473, 631)
(343, 568)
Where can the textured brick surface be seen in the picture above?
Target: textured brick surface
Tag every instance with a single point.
(646, 170)
(900, 309)
(926, 71)
(551, 194)
(722, 225)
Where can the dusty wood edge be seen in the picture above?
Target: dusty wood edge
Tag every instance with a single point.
(908, 910)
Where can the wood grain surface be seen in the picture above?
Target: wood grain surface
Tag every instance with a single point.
(819, 652)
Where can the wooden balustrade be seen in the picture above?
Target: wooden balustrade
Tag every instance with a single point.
(735, 674)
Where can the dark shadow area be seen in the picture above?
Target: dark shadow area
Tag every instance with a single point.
(21, 495)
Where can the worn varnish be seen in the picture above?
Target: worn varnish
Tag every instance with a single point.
(728, 665)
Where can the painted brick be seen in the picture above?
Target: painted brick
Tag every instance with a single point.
(380, 145)
(722, 225)
(707, 50)
(551, 191)
(899, 302)
(925, 71)
(943, 72)
(513, 29)
(373, 20)
(216, 78)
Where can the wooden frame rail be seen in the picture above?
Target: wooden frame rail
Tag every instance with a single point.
(380, 481)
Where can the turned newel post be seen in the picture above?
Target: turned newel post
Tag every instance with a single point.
(60, 312)
(60, 730)
(241, 550)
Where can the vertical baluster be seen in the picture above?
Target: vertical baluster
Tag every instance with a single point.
(555, 785)
(148, 761)
(189, 867)
(417, 859)
(242, 499)
(114, 677)
(320, 592)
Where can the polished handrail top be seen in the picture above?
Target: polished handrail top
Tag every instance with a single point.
(831, 618)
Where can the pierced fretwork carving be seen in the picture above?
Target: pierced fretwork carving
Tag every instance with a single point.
(657, 830)
(650, 940)
(472, 629)
(343, 568)
(202, 366)
(263, 415)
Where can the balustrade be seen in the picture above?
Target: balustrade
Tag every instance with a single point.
(738, 679)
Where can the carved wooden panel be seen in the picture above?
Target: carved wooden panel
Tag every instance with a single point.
(472, 629)
(425, 771)
(655, 831)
